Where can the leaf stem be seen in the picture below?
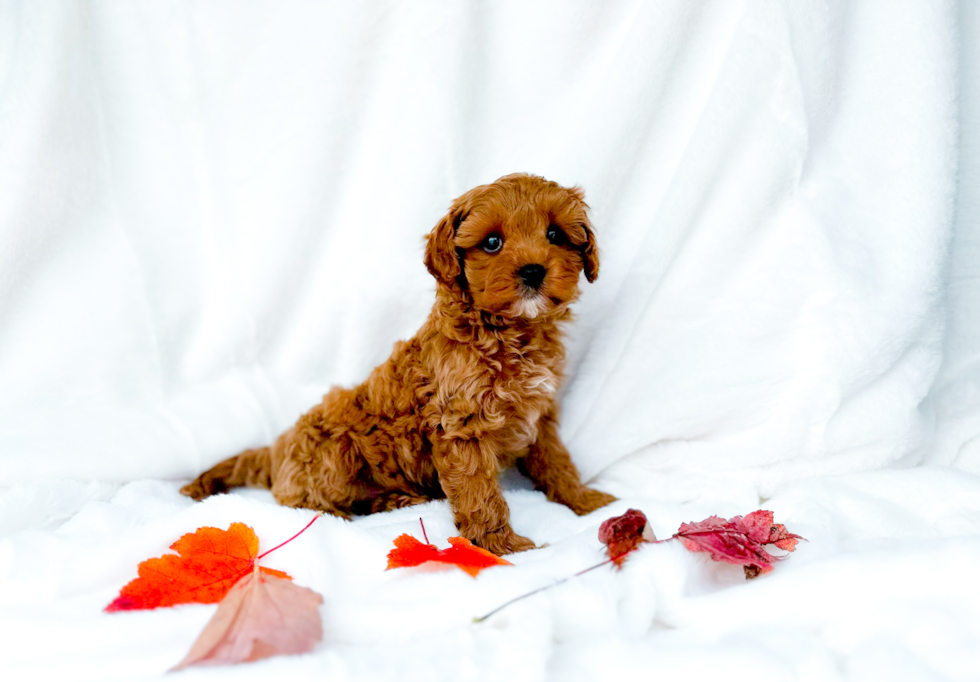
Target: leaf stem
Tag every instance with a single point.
(319, 514)
(548, 587)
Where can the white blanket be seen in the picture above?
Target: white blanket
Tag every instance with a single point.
(211, 212)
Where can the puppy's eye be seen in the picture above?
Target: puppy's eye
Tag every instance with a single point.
(555, 235)
(492, 244)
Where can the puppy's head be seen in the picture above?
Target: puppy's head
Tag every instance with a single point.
(516, 246)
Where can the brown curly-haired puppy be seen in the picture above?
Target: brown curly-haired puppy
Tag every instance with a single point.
(471, 393)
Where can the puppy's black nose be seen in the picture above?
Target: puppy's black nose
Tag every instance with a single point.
(532, 275)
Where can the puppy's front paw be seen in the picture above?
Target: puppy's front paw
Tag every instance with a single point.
(588, 500)
(505, 541)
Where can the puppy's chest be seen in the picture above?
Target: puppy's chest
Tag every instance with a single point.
(494, 389)
(524, 379)
(517, 389)
(524, 394)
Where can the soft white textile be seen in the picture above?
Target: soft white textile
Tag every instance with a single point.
(212, 211)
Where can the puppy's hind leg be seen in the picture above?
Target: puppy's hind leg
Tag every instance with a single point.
(395, 499)
(250, 468)
(318, 469)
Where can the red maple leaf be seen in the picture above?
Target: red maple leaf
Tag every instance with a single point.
(208, 562)
(739, 540)
(261, 616)
(462, 553)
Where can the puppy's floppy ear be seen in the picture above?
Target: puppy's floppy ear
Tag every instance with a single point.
(590, 254)
(441, 256)
(589, 250)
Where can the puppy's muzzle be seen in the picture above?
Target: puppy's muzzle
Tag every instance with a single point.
(532, 275)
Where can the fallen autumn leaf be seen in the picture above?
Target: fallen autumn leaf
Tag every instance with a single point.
(208, 562)
(261, 616)
(461, 553)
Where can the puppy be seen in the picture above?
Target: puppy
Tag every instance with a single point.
(471, 393)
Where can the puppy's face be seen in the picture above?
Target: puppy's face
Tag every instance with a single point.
(517, 246)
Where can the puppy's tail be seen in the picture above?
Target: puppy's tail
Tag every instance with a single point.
(251, 468)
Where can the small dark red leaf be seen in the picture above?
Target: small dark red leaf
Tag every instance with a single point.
(623, 534)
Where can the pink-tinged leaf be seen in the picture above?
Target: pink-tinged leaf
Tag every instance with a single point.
(261, 616)
(623, 534)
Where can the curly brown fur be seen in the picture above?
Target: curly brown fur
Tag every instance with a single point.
(472, 392)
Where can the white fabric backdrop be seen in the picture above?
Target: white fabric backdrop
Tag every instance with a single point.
(213, 211)
(210, 212)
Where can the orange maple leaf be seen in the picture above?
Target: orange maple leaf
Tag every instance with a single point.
(208, 562)
(462, 553)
